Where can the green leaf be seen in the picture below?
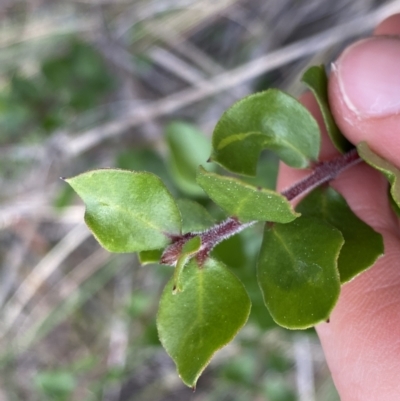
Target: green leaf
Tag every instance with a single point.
(195, 217)
(142, 160)
(391, 172)
(188, 148)
(245, 201)
(190, 248)
(127, 211)
(267, 171)
(196, 322)
(362, 244)
(232, 252)
(395, 206)
(145, 160)
(297, 271)
(266, 120)
(150, 257)
(55, 384)
(240, 253)
(315, 78)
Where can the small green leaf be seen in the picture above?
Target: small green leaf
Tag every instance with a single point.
(267, 171)
(266, 120)
(391, 172)
(196, 322)
(195, 217)
(362, 244)
(127, 211)
(57, 385)
(143, 160)
(245, 201)
(297, 271)
(149, 257)
(315, 78)
(188, 148)
(190, 248)
(395, 206)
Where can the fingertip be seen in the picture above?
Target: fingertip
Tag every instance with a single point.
(364, 94)
(390, 26)
(368, 77)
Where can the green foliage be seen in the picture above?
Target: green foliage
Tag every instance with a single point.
(297, 271)
(188, 148)
(391, 172)
(194, 323)
(146, 160)
(245, 201)
(55, 385)
(362, 244)
(150, 257)
(72, 82)
(315, 78)
(267, 120)
(189, 249)
(302, 259)
(127, 211)
(195, 217)
(277, 390)
(78, 76)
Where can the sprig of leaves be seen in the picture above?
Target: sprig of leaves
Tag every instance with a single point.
(305, 256)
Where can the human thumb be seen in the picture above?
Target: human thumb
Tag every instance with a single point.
(361, 341)
(364, 93)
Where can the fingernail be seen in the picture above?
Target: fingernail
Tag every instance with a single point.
(369, 77)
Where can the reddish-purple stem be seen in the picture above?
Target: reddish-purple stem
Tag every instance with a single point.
(322, 172)
(209, 239)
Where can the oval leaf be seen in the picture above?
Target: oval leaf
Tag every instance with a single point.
(127, 211)
(245, 201)
(362, 244)
(188, 148)
(206, 315)
(315, 78)
(391, 172)
(266, 120)
(297, 271)
(195, 217)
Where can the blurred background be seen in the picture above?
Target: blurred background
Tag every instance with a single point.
(139, 84)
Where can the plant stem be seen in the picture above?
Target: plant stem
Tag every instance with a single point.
(323, 172)
(213, 236)
(209, 239)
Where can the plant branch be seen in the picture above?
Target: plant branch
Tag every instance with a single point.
(209, 239)
(323, 172)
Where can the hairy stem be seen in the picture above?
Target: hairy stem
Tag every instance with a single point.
(209, 239)
(323, 172)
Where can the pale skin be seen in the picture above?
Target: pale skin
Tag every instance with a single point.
(362, 340)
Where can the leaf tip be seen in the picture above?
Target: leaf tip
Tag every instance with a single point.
(194, 389)
(328, 320)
